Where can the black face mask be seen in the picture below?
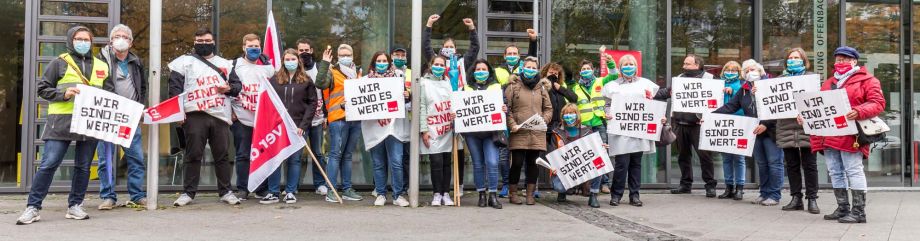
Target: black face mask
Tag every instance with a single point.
(204, 49)
(693, 72)
(553, 78)
(307, 59)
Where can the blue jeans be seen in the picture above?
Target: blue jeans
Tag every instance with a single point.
(52, 156)
(315, 134)
(504, 163)
(242, 140)
(293, 175)
(388, 154)
(343, 137)
(485, 156)
(134, 156)
(733, 169)
(595, 185)
(602, 129)
(770, 167)
(845, 169)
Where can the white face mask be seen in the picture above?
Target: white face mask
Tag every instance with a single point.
(753, 75)
(121, 44)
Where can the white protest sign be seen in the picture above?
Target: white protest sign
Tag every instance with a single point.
(478, 111)
(824, 113)
(535, 123)
(105, 116)
(637, 117)
(695, 95)
(775, 99)
(580, 161)
(440, 121)
(374, 98)
(731, 134)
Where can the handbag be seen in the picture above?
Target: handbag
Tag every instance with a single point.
(667, 136)
(870, 131)
(500, 138)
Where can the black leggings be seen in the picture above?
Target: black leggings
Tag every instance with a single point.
(519, 158)
(441, 171)
(799, 160)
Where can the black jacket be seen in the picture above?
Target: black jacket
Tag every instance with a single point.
(558, 98)
(745, 101)
(135, 66)
(298, 99)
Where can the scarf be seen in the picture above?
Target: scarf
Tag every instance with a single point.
(842, 78)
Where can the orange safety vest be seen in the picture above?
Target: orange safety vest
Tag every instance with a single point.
(335, 96)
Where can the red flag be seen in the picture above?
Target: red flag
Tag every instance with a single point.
(272, 48)
(168, 111)
(274, 137)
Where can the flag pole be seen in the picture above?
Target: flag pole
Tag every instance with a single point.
(153, 131)
(416, 61)
(456, 166)
(323, 172)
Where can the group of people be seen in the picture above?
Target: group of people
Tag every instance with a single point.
(219, 99)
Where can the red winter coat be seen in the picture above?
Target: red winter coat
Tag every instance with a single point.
(865, 94)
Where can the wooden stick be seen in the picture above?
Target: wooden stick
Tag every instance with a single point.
(457, 173)
(321, 171)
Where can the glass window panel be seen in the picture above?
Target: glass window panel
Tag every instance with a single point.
(509, 25)
(499, 45)
(912, 163)
(12, 20)
(512, 7)
(82, 9)
(60, 28)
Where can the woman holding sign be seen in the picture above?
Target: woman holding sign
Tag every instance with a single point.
(843, 154)
(627, 151)
(796, 146)
(768, 156)
(526, 98)
(483, 146)
(571, 130)
(437, 129)
(384, 138)
(732, 164)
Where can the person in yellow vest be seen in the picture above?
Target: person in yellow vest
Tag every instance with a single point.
(343, 134)
(58, 87)
(588, 88)
(513, 58)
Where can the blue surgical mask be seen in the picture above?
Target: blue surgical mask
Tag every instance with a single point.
(512, 60)
(290, 65)
(529, 73)
(730, 75)
(481, 76)
(437, 71)
(345, 60)
(628, 71)
(570, 119)
(382, 67)
(587, 74)
(252, 54)
(795, 66)
(82, 47)
(399, 63)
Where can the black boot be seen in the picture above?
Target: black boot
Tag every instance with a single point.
(729, 192)
(858, 214)
(493, 201)
(560, 198)
(592, 201)
(710, 191)
(681, 190)
(482, 199)
(614, 201)
(635, 201)
(843, 205)
(795, 204)
(813, 206)
(739, 192)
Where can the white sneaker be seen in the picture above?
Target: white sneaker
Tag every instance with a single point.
(374, 193)
(322, 190)
(436, 200)
(28, 216)
(231, 199)
(290, 198)
(401, 201)
(269, 199)
(381, 200)
(76, 212)
(183, 200)
(446, 200)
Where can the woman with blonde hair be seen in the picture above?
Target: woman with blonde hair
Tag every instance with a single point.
(732, 164)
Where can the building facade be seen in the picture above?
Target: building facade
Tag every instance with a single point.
(884, 31)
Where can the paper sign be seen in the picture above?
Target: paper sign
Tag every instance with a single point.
(580, 161)
(695, 95)
(105, 116)
(478, 111)
(374, 98)
(637, 117)
(731, 134)
(775, 96)
(824, 113)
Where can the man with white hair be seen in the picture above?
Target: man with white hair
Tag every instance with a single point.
(129, 80)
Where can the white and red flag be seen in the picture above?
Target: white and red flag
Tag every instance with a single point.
(272, 47)
(274, 137)
(168, 111)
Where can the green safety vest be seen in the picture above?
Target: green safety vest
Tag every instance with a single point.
(72, 77)
(591, 103)
(502, 75)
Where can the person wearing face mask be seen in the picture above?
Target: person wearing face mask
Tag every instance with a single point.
(791, 137)
(844, 156)
(588, 91)
(202, 78)
(513, 63)
(687, 128)
(384, 139)
(58, 86)
(627, 151)
(400, 62)
(315, 131)
(483, 146)
(571, 130)
(298, 94)
(526, 96)
(449, 48)
(343, 134)
(733, 165)
(437, 143)
(129, 81)
(249, 69)
(559, 95)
